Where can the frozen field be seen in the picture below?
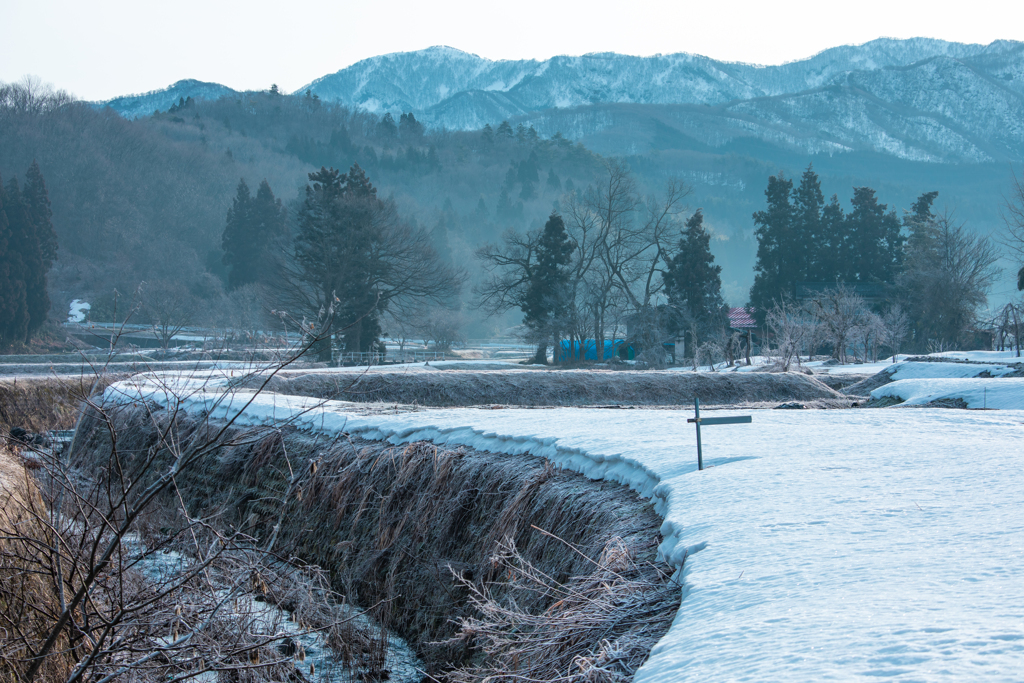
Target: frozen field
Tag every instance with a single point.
(819, 545)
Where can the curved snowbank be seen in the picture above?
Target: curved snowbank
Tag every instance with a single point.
(1003, 394)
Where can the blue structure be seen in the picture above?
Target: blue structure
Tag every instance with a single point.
(589, 349)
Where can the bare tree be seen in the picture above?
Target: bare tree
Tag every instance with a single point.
(869, 330)
(621, 239)
(947, 280)
(1010, 325)
(895, 328)
(1013, 217)
(170, 308)
(509, 268)
(840, 311)
(443, 326)
(248, 310)
(786, 328)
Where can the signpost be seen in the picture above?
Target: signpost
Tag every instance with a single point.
(698, 420)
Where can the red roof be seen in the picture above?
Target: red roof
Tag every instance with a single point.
(741, 319)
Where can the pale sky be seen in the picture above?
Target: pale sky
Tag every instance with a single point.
(98, 49)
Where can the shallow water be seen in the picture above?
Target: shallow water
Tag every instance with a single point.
(401, 663)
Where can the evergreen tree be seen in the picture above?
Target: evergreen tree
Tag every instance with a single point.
(773, 272)
(487, 134)
(693, 283)
(833, 244)
(387, 129)
(546, 299)
(946, 277)
(255, 230)
(236, 240)
(504, 207)
(876, 246)
(923, 261)
(433, 161)
(481, 214)
(44, 243)
(13, 309)
(333, 250)
(528, 171)
(528, 192)
(504, 131)
(808, 244)
(409, 128)
(25, 260)
(553, 183)
(920, 225)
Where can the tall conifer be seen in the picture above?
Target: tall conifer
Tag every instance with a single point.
(12, 287)
(876, 249)
(693, 282)
(773, 271)
(42, 244)
(24, 259)
(547, 292)
(808, 203)
(255, 228)
(236, 241)
(834, 244)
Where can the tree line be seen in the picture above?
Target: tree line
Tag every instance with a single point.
(927, 265)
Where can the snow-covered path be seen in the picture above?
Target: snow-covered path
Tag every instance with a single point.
(822, 545)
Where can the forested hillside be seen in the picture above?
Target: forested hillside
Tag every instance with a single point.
(147, 199)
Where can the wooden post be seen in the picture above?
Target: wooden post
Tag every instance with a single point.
(697, 420)
(696, 415)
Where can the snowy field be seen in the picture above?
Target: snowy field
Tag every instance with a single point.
(818, 545)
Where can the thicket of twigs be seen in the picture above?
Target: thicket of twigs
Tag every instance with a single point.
(599, 627)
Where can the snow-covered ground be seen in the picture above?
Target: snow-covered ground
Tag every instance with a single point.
(1002, 394)
(983, 356)
(818, 545)
(937, 370)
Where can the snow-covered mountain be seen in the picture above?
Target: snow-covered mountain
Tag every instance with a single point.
(917, 99)
(134, 106)
(425, 79)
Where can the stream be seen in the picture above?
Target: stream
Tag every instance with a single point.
(314, 659)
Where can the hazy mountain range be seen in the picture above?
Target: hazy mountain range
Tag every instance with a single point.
(917, 99)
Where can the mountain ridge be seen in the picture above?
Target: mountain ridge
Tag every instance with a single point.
(917, 99)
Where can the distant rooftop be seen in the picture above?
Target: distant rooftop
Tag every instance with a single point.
(741, 319)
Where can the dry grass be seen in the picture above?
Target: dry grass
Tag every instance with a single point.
(26, 595)
(46, 403)
(412, 530)
(562, 388)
